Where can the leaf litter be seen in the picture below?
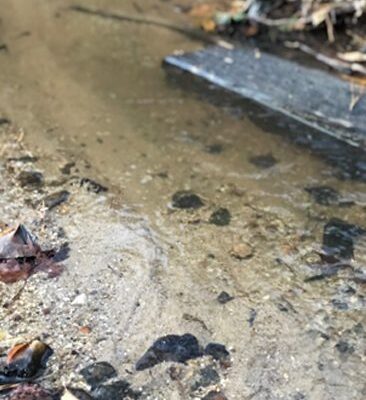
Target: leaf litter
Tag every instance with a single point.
(21, 256)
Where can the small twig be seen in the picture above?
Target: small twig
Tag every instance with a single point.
(17, 295)
(147, 20)
(341, 66)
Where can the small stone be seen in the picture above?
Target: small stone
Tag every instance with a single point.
(220, 217)
(324, 195)
(241, 251)
(340, 305)
(252, 317)
(92, 186)
(224, 297)
(66, 169)
(263, 161)
(98, 373)
(55, 199)
(30, 179)
(80, 300)
(115, 390)
(215, 148)
(208, 376)
(3, 120)
(186, 199)
(344, 347)
(217, 351)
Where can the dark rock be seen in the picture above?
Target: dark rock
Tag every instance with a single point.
(4, 47)
(98, 373)
(118, 390)
(263, 161)
(30, 179)
(55, 199)
(324, 195)
(339, 305)
(217, 351)
(186, 199)
(92, 186)
(207, 376)
(220, 217)
(215, 396)
(66, 169)
(170, 348)
(224, 297)
(344, 347)
(215, 148)
(339, 236)
(252, 317)
(4, 121)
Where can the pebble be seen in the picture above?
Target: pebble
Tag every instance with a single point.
(344, 347)
(220, 217)
(263, 161)
(217, 351)
(31, 179)
(207, 376)
(215, 148)
(92, 186)
(224, 297)
(241, 251)
(80, 300)
(55, 199)
(116, 390)
(186, 199)
(98, 373)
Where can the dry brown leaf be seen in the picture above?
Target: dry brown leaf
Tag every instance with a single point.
(208, 25)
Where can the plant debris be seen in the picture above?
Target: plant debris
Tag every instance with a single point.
(21, 256)
(340, 23)
(31, 392)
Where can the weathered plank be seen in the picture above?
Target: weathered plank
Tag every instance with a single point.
(317, 102)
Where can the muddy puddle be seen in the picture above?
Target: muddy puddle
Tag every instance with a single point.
(243, 267)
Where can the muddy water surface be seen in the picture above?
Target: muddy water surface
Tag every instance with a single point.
(92, 91)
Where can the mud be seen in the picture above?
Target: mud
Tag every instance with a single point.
(88, 100)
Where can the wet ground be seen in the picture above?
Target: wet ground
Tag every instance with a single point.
(88, 98)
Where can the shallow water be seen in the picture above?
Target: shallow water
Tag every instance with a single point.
(93, 91)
